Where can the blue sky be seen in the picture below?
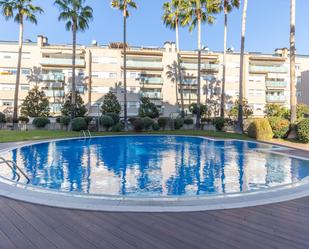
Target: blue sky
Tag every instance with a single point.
(267, 29)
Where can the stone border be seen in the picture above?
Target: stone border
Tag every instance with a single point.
(37, 195)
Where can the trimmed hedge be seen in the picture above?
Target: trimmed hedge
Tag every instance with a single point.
(188, 121)
(107, 122)
(148, 122)
(79, 124)
(303, 131)
(114, 116)
(162, 122)
(156, 126)
(178, 123)
(219, 123)
(2, 118)
(118, 127)
(260, 129)
(22, 119)
(138, 124)
(65, 120)
(279, 126)
(40, 122)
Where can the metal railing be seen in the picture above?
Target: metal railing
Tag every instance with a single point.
(14, 167)
(86, 134)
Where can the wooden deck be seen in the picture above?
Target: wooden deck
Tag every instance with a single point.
(282, 225)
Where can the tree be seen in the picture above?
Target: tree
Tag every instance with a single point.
(19, 10)
(35, 105)
(148, 109)
(276, 110)
(78, 108)
(240, 125)
(110, 104)
(174, 12)
(77, 17)
(302, 111)
(194, 109)
(227, 5)
(293, 98)
(198, 12)
(123, 6)
(247, 110)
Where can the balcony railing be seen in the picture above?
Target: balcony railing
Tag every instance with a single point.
(152, 95)
(276, 84)
(154, 80)
(52, 77)
(54, 93)
(204, 66)
(144, 64)
(275, 99)
(267, 69)
(61, 62)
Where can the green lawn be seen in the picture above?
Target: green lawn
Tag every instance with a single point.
(15, 136)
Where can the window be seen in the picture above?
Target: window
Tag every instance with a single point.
(7, 103)
(104, 75)
(24, 87)
(105, 60)
(100, 89)
(7, 87)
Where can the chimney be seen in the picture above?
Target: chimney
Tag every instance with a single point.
(42, 40)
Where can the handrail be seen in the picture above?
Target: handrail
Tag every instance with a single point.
(89, 133)
(85, 135)
(7, 162)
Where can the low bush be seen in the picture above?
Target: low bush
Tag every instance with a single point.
(148, 122)
(178, 123)
(156, 126)
(280, 126)
(260, 129)
(131, 120)
(114, 116)
(303, 131)
(219, 123)
(23, 119)
(107, 122)
(79, 124)
(65, 120)
(118, 127)
(188, 121)
(138, 124)
(88, 119)
(40, 122)
(162, 122)
(2, 118)
(58, 120)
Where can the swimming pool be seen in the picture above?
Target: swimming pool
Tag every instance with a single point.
(155, 166)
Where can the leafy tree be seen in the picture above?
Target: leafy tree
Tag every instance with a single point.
(79, 108)
(194, 109)
(302, 109)
(247, 110)
(77, 17)
(110, 104)
(148, 109)
(19, 10)
(276, 110)
(36, 104)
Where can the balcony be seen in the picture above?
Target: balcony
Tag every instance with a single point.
(276, 84)
(152, 95)
(154, 80)
(54, 93)
(267, 69)
(189, 82)
(52, 77)
(61, 62)
(204, 66)
(275, 99)
(144, 64)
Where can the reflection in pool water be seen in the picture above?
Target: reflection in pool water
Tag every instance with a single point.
(155, 166)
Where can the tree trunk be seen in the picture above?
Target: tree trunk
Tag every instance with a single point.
(198, 111)
(20, 52)
(125, 68)
(222, 112)
(179, 72)
(73, 100)
(240, 124)
(293, 99)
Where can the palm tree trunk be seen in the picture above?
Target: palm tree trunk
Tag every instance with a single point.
(20, 52)
(293, 99)
(179, 72)
(125, 68)
(241, 73)
(198, 113)
(73, 100)
(222, 112)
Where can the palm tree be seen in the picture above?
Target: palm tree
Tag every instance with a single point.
(19, 10)
(241, 72)
(123, 6)
(293, 99)
(174, 12)
(77, 17)
(198, 12)
(227, 5)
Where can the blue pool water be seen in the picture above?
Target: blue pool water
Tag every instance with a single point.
(155, 166)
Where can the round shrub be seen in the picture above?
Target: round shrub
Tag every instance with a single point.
(156, 126)
(2, 118)
(138, 124)
(65, 120)
(279, 126)
(23, 119)
(188, 121)
(303, 131)
(40, 122)
(118, 127)
(58, 120)
(107, 122)
(260, 129)
(148, 122)
(219, 123)
(178, 123)
(132, 119)
(79, 124)
(114, 116)
(162, 122)
(88, 119)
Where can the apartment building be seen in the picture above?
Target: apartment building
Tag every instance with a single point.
(151, 72)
